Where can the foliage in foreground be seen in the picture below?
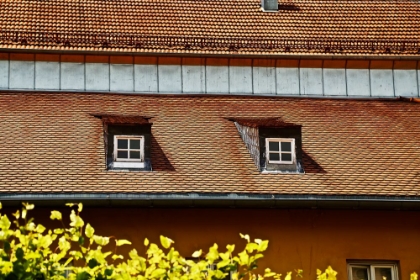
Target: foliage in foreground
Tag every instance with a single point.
(31, 252)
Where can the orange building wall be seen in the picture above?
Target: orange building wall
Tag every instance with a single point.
(307, 239)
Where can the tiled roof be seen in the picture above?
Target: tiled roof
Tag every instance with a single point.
(213, 26)
(51, 143)
(122, 119)
(263, 122)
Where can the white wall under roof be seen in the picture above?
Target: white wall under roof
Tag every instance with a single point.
(197, 79)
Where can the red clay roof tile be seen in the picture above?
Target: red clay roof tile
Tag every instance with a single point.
(112, 119)
(263, 122)
(222, 27)
(51, 143)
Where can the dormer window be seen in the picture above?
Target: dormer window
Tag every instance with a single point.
(280, 150)
(127, 142)
(275, 146)
(128, 151)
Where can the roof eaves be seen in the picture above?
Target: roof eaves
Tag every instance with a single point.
(220, 200)
(217, 54)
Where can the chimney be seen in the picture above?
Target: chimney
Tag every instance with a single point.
(270, 5)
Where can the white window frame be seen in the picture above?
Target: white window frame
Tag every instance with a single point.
(371, 269)
(279, 140)
(128, 162)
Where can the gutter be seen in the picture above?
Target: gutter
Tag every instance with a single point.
(230, 200)
(211, 95)
(169, 53)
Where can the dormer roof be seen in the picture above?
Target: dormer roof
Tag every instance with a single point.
(264, 122)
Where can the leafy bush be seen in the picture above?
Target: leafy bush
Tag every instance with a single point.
(31, 252)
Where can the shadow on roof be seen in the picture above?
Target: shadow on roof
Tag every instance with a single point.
(160, 161)
(288, 7)
(310, 165)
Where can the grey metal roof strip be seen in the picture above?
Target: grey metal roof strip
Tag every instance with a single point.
(198, 197)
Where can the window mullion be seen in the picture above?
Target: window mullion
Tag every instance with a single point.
(128, 148)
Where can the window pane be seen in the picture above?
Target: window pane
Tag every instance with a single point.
(273, 146)
(286, 157)
(286, 146)
(274, 156)
(135, 144)
(383, 273)
(122, 154)
(122, 144)
(134, 155)
(359, 273)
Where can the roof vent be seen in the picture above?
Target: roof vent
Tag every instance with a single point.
(270, 5)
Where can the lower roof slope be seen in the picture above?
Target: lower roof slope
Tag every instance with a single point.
(52, 143)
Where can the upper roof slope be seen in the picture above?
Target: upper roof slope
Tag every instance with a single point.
(213, 26)
(52, 143)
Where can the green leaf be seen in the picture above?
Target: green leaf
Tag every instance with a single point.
(331, 273)
(158, 273)
(16, 214)
(299, 273)
(40, 228)
(69, 260)
(146, 242)
(100, 240)
(45, 241)
(224, 256)
(263, 246)
(250, 247)
(24, 212)
(4, 223)
(288, 276)
(230, 248)
(30, 226)
(28, 206)
(244, 258)
(108, 272)
(268, 273)
(93, 263)
(6, 246)
(197, 254)
(76, 221)
(121, 242)
(89, 231)
(223, 263)
(246, 237)
(58, 231)
(165, 241)
(83, 276)
(80, 207)
(219, 274)
(70, 204)
(258, 256)
(81, 240)
(55, 215)
(6, 268)
(213, 253)
(19, 254)
(114, 257)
